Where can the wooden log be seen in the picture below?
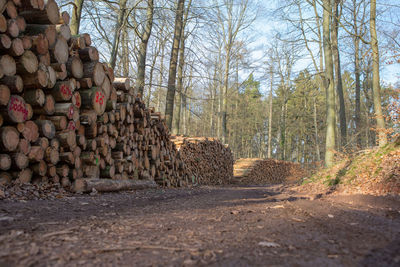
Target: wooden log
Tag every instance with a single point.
(3, 23)
(16, 110)
(59, 53)
(62, 90)
(48, 108)
(64, 31)
(36, 154)
(35, 80)
(11, 10)
(29, 131)
(40, 44)
(43, 142)
(88, 40)
(19, 161)
(66, 109)
(86, 83)
(63, 170)
(39, 168)
(46, 128)
(21, 23)
(45, 59)
(17, 48)
(5, 178)
(27, 42)
(107, 185)
(35, 97)
(12, 28)
(24, 146)
(23, 176)
(52, 155)
(50, 14)
(94, 98)
(64, 18)
(88, 54)
(49, 32)
(5, 162)
(8, 66)
(5, 42)
(77, 42)
(95, 71)
(88, 117)
(27, 63)
(122, 84)
(67, 139)
(75, 67)
(4, 94)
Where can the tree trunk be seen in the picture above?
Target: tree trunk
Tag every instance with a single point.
(357, 74)
(169, 105)
(317, 149)
(118, 26)
(144, 38)
(177, 119)
(76, 17)
(338, 76)
(329, 86)
(270, 113)
(380, 121)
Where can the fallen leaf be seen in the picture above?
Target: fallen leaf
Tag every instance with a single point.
(268, 244)
(278, 207)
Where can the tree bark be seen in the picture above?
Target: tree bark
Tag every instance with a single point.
(144, 38)
(329, 86)
(76, 17)
(118, 26)
(269, 154)
(338, 75)
(380, 121)
(169, 107)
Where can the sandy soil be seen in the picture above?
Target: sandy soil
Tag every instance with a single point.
(217, 226)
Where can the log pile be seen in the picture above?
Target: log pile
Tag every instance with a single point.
(264, 171)
(63, 114)
(207, 160)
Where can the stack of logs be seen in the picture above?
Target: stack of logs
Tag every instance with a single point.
(264, 171)
(63, 114)
(207, 160)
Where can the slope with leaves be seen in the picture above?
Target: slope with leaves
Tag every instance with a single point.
(374, 171)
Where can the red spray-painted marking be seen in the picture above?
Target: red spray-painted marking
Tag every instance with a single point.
(99, 98)
(64, 89)
(18, 106)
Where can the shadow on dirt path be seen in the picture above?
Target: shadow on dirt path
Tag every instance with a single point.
(231, 225)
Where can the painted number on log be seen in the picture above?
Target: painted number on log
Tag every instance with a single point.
(64, 89)
(77, 101)
(99, 98)
(71, 111)
(71, 125)
(18, 106)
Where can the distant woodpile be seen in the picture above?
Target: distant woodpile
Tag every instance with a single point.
(264, 171)
(207, 160)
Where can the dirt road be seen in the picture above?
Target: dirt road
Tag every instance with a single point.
(217, 226)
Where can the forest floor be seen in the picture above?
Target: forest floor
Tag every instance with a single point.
(217, 226)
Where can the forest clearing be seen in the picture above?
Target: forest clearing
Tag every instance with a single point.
(256, 145)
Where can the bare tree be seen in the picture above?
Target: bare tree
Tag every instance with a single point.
(144, 36)
(329, 85)
(169, 106)
(380, 121)
(76, 16)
